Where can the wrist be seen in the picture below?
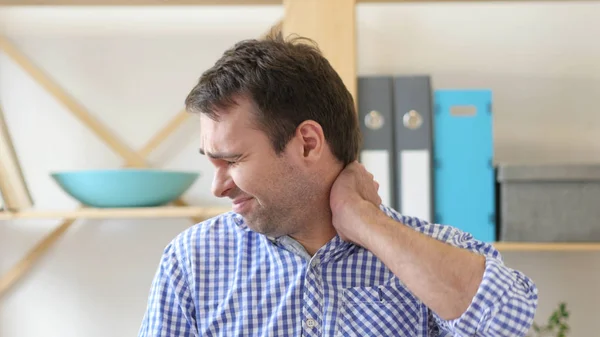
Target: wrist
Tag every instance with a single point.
(371, 222)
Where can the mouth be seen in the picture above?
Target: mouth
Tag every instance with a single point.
(241, 205)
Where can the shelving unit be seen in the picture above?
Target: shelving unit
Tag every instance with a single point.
(338, 45)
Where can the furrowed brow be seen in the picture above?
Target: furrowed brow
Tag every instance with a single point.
(220, 155)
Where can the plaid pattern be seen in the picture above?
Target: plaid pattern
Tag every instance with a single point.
(219, 278)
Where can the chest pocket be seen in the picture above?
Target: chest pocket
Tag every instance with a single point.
(380, 311)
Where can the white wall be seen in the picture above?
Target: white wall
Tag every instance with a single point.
(132, 67)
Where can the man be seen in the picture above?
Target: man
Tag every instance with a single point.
(308, 249)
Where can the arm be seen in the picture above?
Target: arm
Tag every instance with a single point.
(444, 277)
(462, 280)
(170, 309)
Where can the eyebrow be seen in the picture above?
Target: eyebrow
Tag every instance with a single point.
(220, 155)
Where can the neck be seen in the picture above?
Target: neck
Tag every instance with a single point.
(316, 234)
(318, 229)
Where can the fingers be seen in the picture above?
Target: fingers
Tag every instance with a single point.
(364, 169)
(370, 185)
(373, 192)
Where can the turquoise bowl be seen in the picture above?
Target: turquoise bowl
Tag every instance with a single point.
(127, 187)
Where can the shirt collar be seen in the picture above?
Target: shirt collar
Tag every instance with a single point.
(333, 250)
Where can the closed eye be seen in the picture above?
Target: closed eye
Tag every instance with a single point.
(228, 157)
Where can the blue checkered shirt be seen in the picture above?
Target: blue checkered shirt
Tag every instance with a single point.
(219, 278)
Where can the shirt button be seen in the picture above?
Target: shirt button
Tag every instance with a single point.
(311, 323)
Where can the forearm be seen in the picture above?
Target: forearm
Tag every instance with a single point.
(463, 281)
(444, 277)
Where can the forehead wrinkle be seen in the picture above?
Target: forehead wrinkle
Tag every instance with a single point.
(218, 139)
(230, 133)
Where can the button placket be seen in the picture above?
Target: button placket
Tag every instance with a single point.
(312, 309)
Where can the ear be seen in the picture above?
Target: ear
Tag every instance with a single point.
(312, 139)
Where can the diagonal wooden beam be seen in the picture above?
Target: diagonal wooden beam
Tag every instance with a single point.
(75, 107)
(26, 263)
(132, 159)
(164, 133)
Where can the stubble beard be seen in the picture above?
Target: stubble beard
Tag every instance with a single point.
(287, 215)
(274, 221)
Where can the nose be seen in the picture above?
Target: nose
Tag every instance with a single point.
(222, 183)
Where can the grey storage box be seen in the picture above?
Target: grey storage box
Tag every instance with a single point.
(549, 203)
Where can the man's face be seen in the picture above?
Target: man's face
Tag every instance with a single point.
(271, 192)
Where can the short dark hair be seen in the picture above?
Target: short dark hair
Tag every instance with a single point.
(288, 83)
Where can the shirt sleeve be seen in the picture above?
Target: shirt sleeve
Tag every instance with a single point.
(170, 310)
(506, 300)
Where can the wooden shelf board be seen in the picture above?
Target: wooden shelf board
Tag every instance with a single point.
(106, 213)
(547, 246)
(206, 212)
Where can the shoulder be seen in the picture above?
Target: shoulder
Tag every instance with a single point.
(443, 232)
(222, 225)
(411, 221)
(216, 234)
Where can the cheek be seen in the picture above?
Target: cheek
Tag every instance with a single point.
(260, 181)
(245, 178)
